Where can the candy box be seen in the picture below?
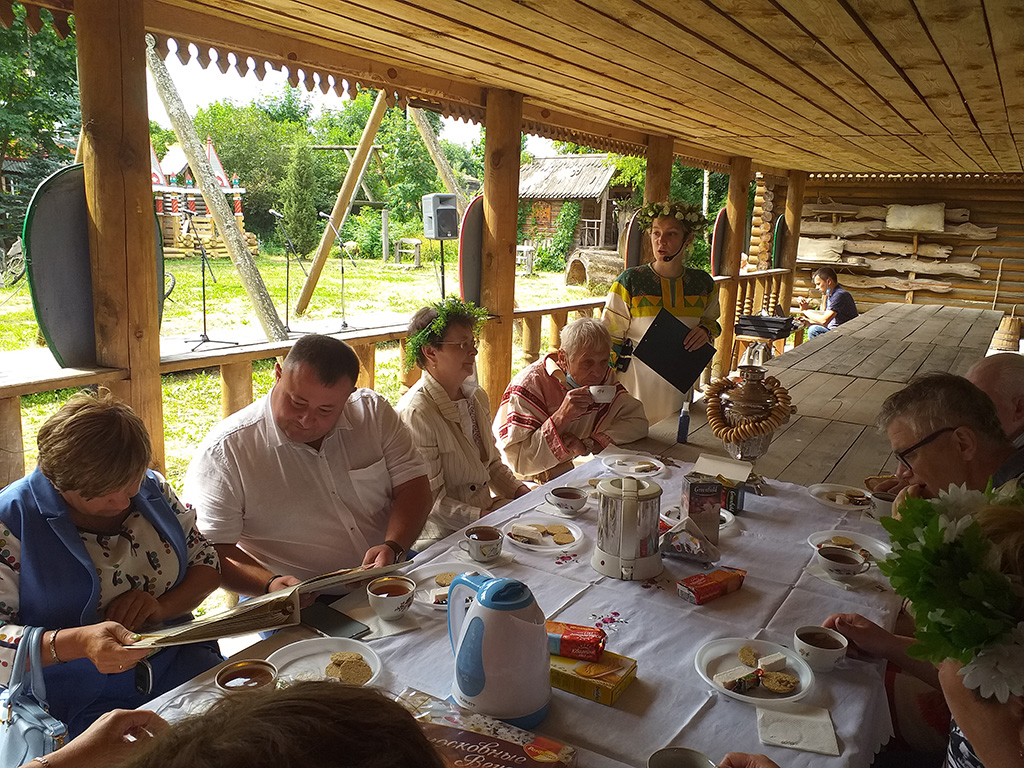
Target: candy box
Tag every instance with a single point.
(602, 681)
(702, 502)
(704, 587)
(575, 640)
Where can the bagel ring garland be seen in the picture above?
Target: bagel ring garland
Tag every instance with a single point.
(749, 426)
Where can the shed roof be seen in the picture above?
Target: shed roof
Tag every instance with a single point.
(565, 177)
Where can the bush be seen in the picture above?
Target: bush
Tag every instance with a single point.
(546, 261)
(364, 228)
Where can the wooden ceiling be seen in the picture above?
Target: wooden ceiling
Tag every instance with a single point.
(909, 86)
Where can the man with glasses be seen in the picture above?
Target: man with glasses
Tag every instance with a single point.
(945, 431)
(549, 415)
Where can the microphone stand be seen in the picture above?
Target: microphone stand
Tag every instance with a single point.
(287, 269)
(337, 235)
(203, 265)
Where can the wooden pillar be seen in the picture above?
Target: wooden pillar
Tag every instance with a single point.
(558, 321)
(235, 387)
(736, 211)
(367, 354)
(119, 195)
(12, 445)
(659, 169)
(794, 207)
(503, 119)
(406, 377)
(531, 338)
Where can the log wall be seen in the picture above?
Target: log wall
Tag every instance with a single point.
(993, 201)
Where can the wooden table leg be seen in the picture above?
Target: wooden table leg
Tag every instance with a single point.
(12, 447)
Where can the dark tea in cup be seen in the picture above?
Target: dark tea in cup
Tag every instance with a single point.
(483, 533)
(841, 557)
(391, 588)
(820, 639)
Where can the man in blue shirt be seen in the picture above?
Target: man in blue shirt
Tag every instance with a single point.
(837, 305)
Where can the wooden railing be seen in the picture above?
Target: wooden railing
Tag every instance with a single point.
(758, 290)
(34, 371)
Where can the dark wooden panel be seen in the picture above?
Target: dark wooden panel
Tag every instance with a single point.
(822, 454)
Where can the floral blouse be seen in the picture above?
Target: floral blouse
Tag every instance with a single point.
(135, 558)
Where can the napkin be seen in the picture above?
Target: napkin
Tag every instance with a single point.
(355, 606)
(798, 726)
(547, 508)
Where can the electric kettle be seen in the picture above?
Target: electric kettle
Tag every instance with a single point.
(627, 529)
(502, 663)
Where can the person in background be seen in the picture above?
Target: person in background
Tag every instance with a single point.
(449, 419)
(548, 415)
(837, 304)
(640, 293)
(1001, 377)
(97, 547)
(313, 477)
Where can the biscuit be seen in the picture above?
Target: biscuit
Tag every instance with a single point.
(445, 579)
(553, 529)
(779, 682)
(747, 656)
(843, 541)
(593, 669)
(342, 656)
(541, 529)
(351, 671)
(563, 538)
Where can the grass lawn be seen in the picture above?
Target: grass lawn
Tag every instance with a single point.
(375, 294)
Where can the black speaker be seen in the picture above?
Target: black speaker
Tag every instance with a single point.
(440, 217)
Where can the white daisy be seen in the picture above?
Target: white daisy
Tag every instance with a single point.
(998, 670)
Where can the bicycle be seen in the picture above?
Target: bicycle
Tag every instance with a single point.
(12, 265)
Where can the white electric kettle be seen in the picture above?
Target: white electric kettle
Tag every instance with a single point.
(627, 529)
(502, 664)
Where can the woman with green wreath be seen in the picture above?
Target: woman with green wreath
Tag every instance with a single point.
(640, 293)
(450, 418)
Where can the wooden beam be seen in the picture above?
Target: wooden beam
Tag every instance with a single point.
(345, 195)
(794, 210)
(444, 168)
(236, 387)
(501, 196)
(367, 354)
(736, 211)
(119, 196)
(12, 455)
(659, 169)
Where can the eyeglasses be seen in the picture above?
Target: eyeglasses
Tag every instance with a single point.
(466, 346)
(901, 456)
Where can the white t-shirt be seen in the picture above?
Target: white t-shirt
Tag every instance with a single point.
(296, 510)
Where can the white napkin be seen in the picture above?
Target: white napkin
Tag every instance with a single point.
(356, 606)
(798, 726)
(547, 508)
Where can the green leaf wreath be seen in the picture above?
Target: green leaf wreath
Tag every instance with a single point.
(448, 309)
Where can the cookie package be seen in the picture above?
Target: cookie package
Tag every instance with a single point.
(602, 681)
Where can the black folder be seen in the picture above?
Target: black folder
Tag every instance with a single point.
(661, 348)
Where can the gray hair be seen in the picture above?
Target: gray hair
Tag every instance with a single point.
(1003, 372)
(585, 333)
(939, 400)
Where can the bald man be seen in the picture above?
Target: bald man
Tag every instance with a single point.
(1001, 377)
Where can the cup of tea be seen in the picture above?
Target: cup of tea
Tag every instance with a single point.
(390, 596)
(568, 499)
(881, 504)
(679, 757)
(840, 562)
(820, 647)
(246, 675)
(483, 543)
(602, 393)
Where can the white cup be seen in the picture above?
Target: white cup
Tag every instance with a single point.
(679, 757)
(483, 543)
(840, 562)
(390, 596)
(567, 498)
(881, 504)
(820, 647)
(603, 393)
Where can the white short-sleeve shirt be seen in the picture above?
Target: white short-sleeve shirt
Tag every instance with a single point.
(294, 509)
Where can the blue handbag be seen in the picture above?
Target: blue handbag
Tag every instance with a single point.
(27, 729)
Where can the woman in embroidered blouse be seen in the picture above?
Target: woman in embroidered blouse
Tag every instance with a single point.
(449, 418)
(94, 548)
(640, 293)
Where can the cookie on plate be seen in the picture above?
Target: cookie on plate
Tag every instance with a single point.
(445, 579)
(747, 656)
(779, 682)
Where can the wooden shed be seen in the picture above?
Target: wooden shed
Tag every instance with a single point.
(546, 183)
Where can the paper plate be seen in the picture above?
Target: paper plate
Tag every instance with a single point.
(424, 578)
(308, 659)
(879, 549)
(720, 655)
(549, 544)
(626, 465)
(672, 516)
(819, 493)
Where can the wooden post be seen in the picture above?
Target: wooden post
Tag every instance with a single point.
(558, 321)
(794, 207)
(603, 206)
(344, 201)
(12, 441)
(531, 338)
(504, 118)
(659, 169)
(410, 376)
(367, 354)
(235, 387)
(119, 195)
(736, 211)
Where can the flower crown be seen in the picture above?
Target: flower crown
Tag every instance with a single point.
(964, 607)
(451, 308)
(690, 216)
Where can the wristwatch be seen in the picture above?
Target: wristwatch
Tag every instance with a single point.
(398, 549)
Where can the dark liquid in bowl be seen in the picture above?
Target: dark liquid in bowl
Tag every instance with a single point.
(483, 534)
(248, 676)
(568, 494)
(838, 557)
(821, 640)
(391, 590)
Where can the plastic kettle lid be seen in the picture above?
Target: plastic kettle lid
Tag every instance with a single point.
(505, 595)
(645, 489)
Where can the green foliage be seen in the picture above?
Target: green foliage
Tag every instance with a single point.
(161, 138)
(299, 202)
(565, 236)
(364, 228)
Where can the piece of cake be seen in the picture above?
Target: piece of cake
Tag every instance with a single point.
(773, 662)
(526, 534)
(439, 596)
(737, 679)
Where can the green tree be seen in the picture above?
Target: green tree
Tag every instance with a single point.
(299, 201)
(39, 110)
(161, 138)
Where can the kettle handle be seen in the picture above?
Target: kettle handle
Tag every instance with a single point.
(629, 534)
(458, 607)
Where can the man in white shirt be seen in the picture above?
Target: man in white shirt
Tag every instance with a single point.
(315, 476)
(1001, 377)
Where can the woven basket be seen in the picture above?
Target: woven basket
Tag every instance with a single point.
(1007, 337)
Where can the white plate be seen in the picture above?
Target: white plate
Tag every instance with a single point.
(424, 578)
(625, 465)
(725, 517)
(720, 655)
(879, 549)
(308, 659)
(549, 544)
(818, 492)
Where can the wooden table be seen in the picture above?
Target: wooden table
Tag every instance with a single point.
(838, 381)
